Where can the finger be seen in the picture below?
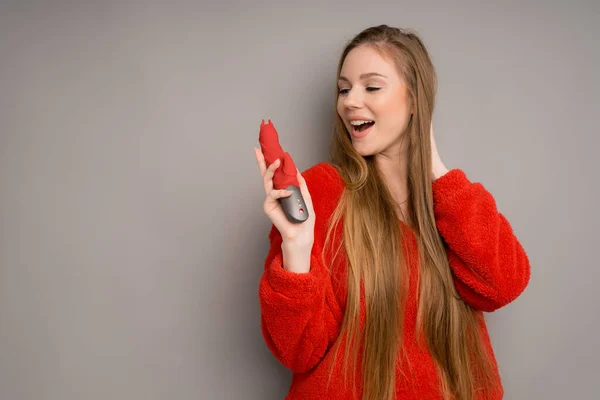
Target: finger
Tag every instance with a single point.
(271, 170)
(278, 194)
(304, 191)
(260, 160)
(268, 176)
(273, 209)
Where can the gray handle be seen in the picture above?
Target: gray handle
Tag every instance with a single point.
(294, 206)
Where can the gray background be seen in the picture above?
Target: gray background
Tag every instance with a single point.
(132, 236)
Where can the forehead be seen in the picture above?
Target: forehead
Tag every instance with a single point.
(365, 59)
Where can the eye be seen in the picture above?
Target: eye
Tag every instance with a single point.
(343, 91)
(372, 89)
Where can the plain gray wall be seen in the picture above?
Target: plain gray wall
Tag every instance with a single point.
(132, 236)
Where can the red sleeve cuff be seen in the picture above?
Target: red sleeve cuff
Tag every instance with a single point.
(453, 178)
(452, 181)
(294, 285)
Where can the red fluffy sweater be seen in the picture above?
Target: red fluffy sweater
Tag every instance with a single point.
(301, 314)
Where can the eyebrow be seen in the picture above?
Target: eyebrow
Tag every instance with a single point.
(363, 76)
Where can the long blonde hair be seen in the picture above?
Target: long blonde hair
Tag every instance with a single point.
(372, 239)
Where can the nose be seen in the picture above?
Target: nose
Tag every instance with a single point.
(352, 99)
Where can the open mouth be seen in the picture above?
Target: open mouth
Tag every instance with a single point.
(361, 125)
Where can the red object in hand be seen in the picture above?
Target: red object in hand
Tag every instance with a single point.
(286, 174)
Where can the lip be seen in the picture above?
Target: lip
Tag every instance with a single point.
(361, 134)
(358, 118)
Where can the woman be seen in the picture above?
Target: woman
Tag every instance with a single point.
(380, 294)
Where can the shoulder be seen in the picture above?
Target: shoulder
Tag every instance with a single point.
(322, 173)
(325, 186)
(323, 177)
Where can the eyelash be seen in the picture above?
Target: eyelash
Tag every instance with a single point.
(369, 89)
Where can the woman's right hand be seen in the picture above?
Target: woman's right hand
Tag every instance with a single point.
(297, 238)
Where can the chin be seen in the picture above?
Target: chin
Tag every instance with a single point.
(363, 149)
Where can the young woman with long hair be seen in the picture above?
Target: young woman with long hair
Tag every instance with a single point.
(380, 294)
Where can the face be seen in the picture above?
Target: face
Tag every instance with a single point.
(373, 102)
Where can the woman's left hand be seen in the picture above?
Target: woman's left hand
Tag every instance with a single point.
(438, 168)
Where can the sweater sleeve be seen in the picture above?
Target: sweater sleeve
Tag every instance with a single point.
(300, 316)
(489, 265)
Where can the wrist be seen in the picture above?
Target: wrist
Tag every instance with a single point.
(439, 170)
(296, 256)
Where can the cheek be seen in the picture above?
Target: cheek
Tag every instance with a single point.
(340, 108)
(394, 110)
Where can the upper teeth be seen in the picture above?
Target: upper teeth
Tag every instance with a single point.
(358, 122)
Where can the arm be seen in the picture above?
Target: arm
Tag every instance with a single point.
(489, 265)
(300, 316)
(297, 321)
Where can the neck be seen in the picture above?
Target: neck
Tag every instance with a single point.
(394, 169)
